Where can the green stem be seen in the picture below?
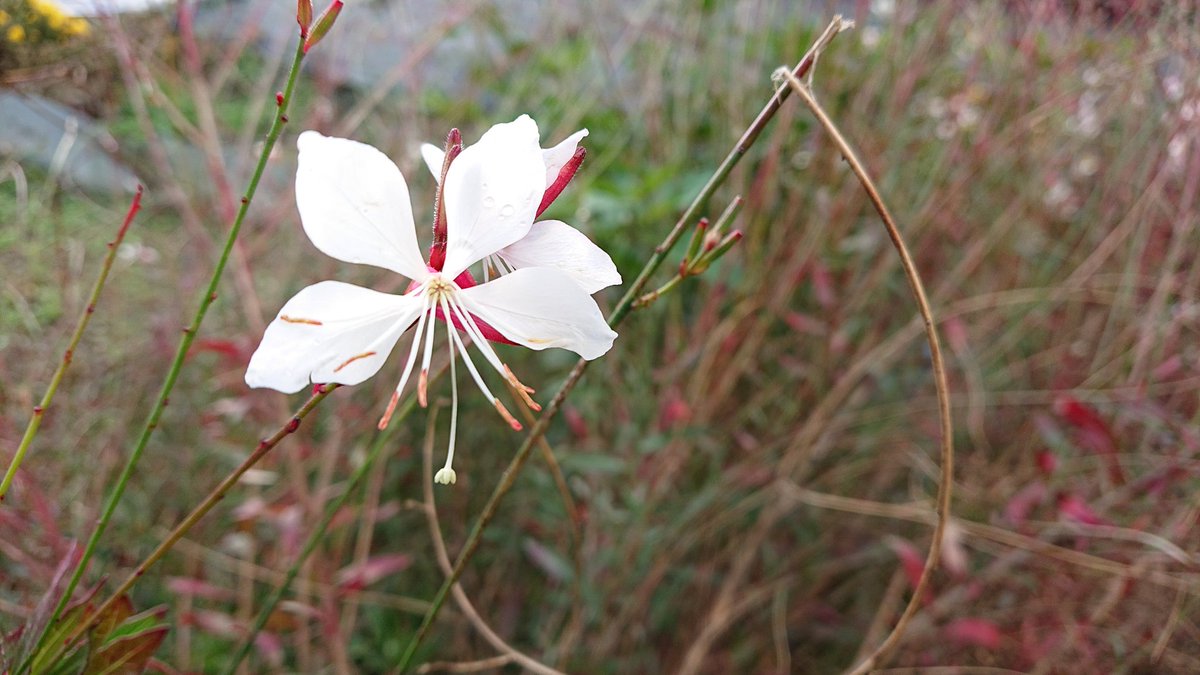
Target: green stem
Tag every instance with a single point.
(618, 315)
(35, 422)
(189, 335)
(314, 538)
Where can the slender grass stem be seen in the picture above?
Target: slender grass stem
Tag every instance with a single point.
(946, 482)
(189, 335)
(216, 495)
(39, 412)
(618, 315)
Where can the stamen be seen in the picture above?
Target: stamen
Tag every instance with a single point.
(352, 359)
(408, 366)
(485, 348)
(293, 319)
(387, 415)
(423, 382)
(446, 475)
(521, 389)
(512, 421)
(453, 330)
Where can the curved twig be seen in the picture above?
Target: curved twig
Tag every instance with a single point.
(508, 652)
(945, 485)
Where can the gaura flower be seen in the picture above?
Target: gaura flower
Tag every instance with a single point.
(354, 206)
(549, 243)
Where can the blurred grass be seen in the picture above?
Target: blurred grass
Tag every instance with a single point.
(1045, 171)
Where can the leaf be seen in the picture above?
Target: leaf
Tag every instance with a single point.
(54, 647)
(151, 618)
(36, 624)
(975, 632)
(114, 616)
(127, 654)
(357, 577)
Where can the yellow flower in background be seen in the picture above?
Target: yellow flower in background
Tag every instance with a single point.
(15, 33)
(58, 20)
(3, 17)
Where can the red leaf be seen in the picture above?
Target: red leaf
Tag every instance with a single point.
(974, 632)
(1072, 507)
(357, 577)
(910, 558)
(1017, 510)
(1093, 433)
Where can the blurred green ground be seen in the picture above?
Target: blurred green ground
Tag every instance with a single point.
(1044, 163)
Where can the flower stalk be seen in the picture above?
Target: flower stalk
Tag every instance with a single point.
(39, 411)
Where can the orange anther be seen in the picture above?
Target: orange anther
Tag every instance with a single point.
(512, 421)
(387, 415)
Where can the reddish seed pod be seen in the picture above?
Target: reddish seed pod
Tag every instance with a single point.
(279, 98)
(38, 410)
(245, 200)
(293, 424)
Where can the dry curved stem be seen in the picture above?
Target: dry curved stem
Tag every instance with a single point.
(574, 622)
(945, 484)
(508, 654)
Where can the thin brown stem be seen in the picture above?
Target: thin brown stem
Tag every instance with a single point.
(945, 485)
(509, 653)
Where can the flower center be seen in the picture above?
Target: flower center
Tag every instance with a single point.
(442, 295)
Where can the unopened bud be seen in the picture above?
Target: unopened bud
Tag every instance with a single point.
(714, 253)
(304, 12)
(323, 24)
(445, 476)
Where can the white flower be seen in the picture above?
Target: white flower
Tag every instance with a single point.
(549, 243)
(354, 206)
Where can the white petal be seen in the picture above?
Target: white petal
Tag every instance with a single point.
(539, 307)
(492, 192)
(354, 205)
(553, 243)
(554, 158)
(330, 332)
(434, 157)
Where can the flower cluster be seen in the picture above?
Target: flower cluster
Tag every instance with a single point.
(538, 277)
(39, 21)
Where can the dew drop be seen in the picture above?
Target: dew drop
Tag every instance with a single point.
(489, 202)
(506, 210)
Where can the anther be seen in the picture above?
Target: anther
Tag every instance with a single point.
(387, 415)
(522, 390)
(512, 421)
(422, 385)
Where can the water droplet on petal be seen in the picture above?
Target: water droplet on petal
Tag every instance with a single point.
(506, 210)
(489, 202)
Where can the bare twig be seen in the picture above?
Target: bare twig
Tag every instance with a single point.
(945, 485)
